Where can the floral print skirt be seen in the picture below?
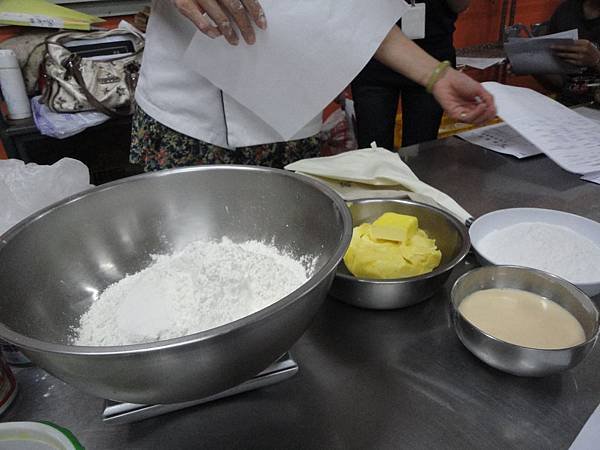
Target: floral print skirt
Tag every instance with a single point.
(156, 146)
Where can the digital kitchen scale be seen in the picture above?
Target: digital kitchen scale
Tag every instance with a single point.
(119, 413)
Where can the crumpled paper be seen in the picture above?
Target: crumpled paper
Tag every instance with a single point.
(27, 188)
(375, 173)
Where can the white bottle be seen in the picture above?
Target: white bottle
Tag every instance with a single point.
(13, 86)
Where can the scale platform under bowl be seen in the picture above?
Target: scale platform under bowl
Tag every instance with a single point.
(119, 413)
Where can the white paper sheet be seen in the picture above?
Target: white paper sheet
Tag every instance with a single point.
(568, 34)
(590, 113)
(588, 437)
(535, 56)
(592, 177)
(502, 139)
(310, 52)
(478, 63)
(569, 139)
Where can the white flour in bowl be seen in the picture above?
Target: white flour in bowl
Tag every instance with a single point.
(551, 248)
(205, 285)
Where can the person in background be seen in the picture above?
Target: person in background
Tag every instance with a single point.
(180, 118)
(584, 15)
(377, 89)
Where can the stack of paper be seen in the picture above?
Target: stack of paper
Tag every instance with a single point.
(539, 123)
(40, 13)
(501, 138)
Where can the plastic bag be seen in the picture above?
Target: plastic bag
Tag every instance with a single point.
(26, 188)
(337, 132)
(65, 125)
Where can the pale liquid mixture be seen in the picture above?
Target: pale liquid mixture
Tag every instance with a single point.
(522, 318)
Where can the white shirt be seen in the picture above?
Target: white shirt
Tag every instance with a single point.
(187, 102)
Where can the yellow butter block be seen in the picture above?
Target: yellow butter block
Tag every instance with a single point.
(374, 255)
(394, 227)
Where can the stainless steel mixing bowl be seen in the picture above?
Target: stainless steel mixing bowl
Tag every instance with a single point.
(450, 235)
(55, 262)
(516, 359)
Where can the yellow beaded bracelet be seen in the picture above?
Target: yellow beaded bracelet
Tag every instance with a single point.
(437, 73)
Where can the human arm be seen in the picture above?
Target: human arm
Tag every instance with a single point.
(212, 17)
(458, 6)
(460, 96)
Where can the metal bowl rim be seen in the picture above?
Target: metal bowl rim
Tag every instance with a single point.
(550, 277)
(33, 344)
(500, 211)
(461, 228)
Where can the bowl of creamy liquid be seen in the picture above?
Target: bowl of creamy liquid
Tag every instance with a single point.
(523, 321)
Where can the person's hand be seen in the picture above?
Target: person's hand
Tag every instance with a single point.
(213, 17)
(581, 53)
(463, 98)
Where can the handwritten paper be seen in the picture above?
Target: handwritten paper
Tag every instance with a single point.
(35, 20)
(41, 13)
(502, 139)
(569, 139)
(478, 63)
(310, 52)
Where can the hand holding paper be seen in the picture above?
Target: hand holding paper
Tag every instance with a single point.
(532, 56)
(309, 54)
(570, 140)
(243, 13)
(580, 53)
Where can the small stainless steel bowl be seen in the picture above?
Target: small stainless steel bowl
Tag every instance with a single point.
(515, 359)
(450, 235)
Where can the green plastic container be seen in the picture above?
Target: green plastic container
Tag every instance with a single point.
(36, 436)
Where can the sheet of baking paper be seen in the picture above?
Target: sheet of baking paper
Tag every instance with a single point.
(502, 139)
(590, 113)
(592, 177)
(478, 63)
(588, 437)
(535, 56)
(310, 52)
(374, 172)
(569, 139)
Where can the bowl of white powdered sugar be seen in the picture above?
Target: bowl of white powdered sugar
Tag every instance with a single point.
(171, 286)
(560, 243)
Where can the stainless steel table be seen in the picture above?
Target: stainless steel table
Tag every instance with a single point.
(369, 379)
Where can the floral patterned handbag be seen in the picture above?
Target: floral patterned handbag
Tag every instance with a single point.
(75, 83)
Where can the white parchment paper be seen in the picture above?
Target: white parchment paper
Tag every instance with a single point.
(310, 52)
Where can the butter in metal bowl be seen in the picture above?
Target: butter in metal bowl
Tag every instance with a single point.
(391, 247)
